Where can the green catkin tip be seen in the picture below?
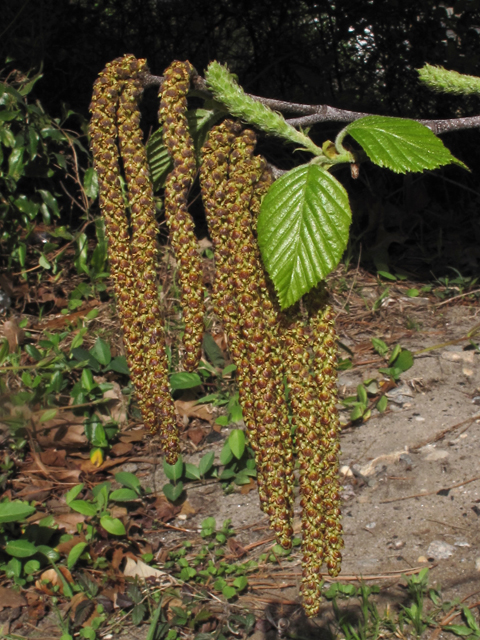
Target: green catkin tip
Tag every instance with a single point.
(227, 90)
(439, 79)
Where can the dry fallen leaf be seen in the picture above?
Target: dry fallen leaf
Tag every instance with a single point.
(69, 521)
(187, 509)
(13, 334)
(246, 488)
(121, 449)
(137, 435)
(10, 598)
(50, 579)
(139, 569)
(64, 431)
(190, 409)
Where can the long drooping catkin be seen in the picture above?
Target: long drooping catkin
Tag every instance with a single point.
(132, 250)
(177, 138)
(251, 320)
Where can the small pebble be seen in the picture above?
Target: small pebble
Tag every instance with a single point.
(461, 543)
(440, 550)
(438, 454)
(371, 525)
(477, 564)
(422, 559)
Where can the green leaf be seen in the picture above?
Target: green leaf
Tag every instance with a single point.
(173, 492)
(226, 454)
(213, 351)
(404, 361)
(75, 553)
(357, 411)
(158, 159)
(73, 493)
(236, 440)
(229, 592)
(184, 380)
(395, 354)
(129, 480)
(31, 566)
(303, 230)
(382, 404)
(101, 351)
(113, 525)
(124, 495)
(50, 201)
(48, 415)
(206, 463)
(173, 471)
(119, 365)
(458, 629)
(230, 368)
(400, 145)
(15, 511)
(192, 472)
(380, 346)
(83, 507)
(240, 583)
(20, 548)
(44, 263)
(362, 394)
(90, 183)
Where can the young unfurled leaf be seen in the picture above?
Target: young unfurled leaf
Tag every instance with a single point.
(400, 145)
(303, 230)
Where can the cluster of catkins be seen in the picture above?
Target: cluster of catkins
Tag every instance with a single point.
(285, 361)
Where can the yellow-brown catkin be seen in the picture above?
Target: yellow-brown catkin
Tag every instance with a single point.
(324, 346)
(149, 353)
(132, 256)
(252, 322)
(172, 116)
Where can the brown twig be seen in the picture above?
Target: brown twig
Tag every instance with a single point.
(431, 493)
(313, 114)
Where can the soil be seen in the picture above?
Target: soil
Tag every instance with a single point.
(411, 479)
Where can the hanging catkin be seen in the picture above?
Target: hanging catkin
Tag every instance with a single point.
(132, 251)
(251, 320)
(177, 139)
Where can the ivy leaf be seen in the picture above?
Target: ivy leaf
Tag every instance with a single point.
(303, 230)
(400, 145)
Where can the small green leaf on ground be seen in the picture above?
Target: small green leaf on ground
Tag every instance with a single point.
(113, 525)
(236, 440)
(20, 548)
(15, 511)
(75, 554)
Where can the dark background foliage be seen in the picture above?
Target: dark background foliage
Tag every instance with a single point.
(355, 54)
